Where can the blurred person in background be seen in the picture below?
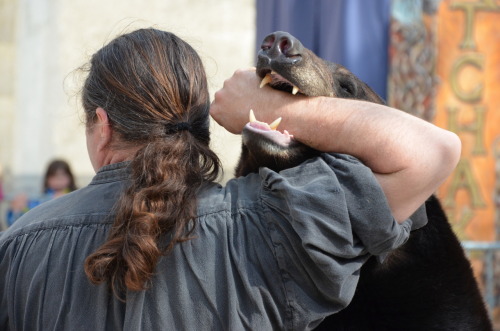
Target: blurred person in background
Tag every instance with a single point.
(58, 180)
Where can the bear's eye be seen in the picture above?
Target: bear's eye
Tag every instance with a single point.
(347, 87)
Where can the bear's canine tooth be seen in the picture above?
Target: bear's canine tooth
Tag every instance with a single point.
(252, 116)
(295, 90)
(274, 125)
(266, 80)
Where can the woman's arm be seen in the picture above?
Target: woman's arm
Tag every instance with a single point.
(409, 156)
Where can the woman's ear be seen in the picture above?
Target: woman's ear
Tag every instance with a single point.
(105, 131)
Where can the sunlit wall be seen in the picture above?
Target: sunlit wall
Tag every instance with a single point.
(42, 42)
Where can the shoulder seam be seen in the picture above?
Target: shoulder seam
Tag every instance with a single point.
(23, 232)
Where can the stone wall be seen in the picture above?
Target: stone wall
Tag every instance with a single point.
(7, 81)
(42, 42)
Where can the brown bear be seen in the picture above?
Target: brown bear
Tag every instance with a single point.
(426, 284)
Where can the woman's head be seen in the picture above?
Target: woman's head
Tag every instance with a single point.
(58, 177)
(147, 81)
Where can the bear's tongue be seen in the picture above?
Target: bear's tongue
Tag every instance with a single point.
(269, 130)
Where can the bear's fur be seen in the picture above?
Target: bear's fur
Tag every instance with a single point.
(426, 284)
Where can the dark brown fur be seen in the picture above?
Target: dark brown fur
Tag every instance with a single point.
(427, 284)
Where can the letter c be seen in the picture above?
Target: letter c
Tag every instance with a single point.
(474, 95)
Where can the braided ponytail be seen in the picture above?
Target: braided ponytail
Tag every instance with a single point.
(157, 99)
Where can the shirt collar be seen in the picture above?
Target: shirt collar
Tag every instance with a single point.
(112, 173)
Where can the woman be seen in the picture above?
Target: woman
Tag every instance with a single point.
(58, 180)
(153, 244)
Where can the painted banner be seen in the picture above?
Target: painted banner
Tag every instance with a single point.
(468, 103)
(412, 78)
(444, 66)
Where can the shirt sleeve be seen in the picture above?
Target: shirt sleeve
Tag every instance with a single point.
(325, 218)
(368, 210)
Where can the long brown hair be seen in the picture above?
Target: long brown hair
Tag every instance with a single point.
(153, 87)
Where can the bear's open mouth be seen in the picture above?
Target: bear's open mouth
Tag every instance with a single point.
(278, 82)
(269, 131)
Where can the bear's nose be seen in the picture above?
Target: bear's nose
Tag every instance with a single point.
(280, 42)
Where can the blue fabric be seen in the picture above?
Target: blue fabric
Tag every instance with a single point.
(13, 215)
(354, 33)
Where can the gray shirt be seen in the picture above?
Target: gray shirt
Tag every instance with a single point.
(271, 251)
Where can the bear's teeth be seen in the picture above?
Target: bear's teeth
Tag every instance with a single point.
(295, 90)
(252, 116)
(266, 80)
(274, 125)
